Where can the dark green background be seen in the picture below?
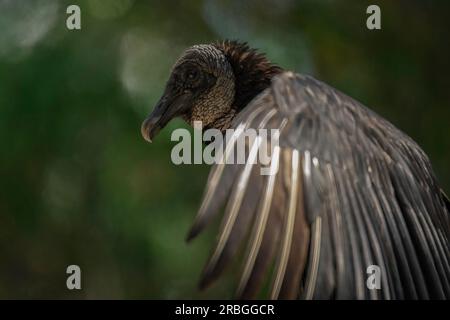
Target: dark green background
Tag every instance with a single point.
(78, 185)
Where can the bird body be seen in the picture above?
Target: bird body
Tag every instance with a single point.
(351, 190)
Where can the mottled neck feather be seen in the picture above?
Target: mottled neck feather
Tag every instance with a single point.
(253, 72)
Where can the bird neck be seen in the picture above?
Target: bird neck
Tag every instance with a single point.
(223, 122)
(252, 70)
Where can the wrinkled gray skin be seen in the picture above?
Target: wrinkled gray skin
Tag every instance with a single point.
(201, 87)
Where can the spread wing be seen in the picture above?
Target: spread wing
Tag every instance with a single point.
(351, 191)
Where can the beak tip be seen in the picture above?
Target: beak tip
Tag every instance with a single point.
(145, 133)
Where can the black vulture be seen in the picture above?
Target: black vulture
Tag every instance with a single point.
(351, 189)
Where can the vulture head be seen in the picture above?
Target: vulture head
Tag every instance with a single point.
(211, 83)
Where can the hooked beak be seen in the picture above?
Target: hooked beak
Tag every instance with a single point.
(167, 108)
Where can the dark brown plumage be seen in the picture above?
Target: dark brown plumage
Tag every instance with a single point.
(253, 72)
(351, 190)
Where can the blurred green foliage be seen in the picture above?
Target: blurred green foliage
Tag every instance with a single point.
(78, 184)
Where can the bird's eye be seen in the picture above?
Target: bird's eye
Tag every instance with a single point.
(192, 74)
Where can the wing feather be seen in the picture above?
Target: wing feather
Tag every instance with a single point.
(351, 191)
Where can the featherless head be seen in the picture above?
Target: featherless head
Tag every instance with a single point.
(211, 83)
